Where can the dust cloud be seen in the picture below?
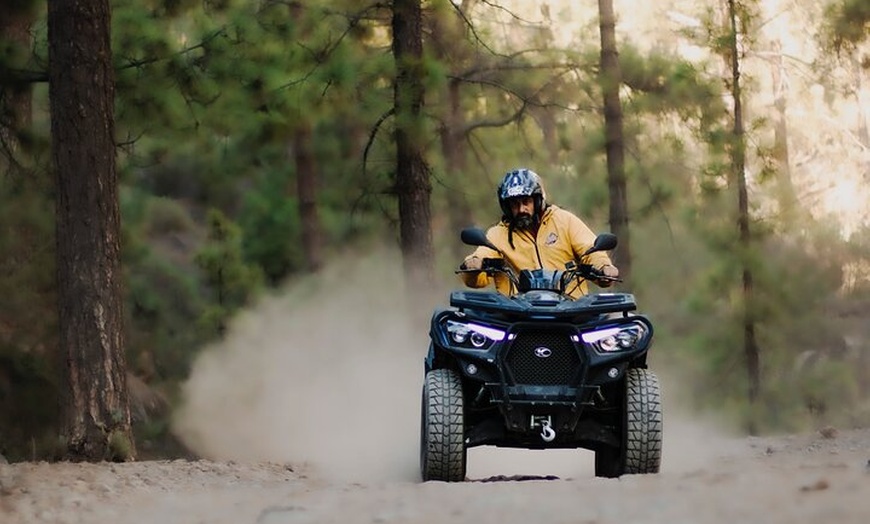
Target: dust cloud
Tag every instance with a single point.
(325, 375)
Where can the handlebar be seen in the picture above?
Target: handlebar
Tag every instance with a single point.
(572, 272)
(591, 273)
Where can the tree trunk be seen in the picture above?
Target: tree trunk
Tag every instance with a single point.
(448, 39)
(785, 188)
(738, 163)
(306, 173)
(453, 148)
(306, 187)
(81, 93)
(611, 79)
(863, 111)
(412, 174)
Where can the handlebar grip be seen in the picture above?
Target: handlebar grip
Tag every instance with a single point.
(487, 265)
(593, 273)
(588, 271)
(493, 264)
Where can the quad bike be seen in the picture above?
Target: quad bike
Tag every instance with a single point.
(540, 370)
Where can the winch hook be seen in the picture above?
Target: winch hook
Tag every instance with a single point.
(548, 434)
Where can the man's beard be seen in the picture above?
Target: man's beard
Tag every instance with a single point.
(523, 221)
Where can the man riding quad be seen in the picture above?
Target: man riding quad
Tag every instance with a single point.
(534, 234)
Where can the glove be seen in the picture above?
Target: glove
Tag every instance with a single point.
(472, 263)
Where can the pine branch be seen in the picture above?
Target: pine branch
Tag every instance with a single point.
(372, 135)
(137, 63)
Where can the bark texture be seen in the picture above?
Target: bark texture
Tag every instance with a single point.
(611, 79)
(413, 186)
(81, 92)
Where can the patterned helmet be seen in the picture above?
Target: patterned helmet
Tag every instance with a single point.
(518, 183)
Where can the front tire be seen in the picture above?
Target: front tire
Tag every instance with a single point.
(640, 451)
(442, 427)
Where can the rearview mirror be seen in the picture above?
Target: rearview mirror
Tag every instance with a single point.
(474, 236)
(603, 242)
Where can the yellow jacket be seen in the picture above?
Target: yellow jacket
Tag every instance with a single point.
(561, 238)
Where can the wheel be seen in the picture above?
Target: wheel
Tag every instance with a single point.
(640, 451)
(643, 414)
(442, 428)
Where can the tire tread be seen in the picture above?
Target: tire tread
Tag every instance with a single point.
(643, 442)
(444, 438)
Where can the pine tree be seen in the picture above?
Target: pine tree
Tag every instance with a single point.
(97, 424)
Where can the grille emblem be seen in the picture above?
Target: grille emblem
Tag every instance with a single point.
(543, 352)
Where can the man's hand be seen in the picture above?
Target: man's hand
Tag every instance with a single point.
(611, 271)
(472, 263)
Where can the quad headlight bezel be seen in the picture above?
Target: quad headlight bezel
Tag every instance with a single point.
(614, 339)
(471, 335)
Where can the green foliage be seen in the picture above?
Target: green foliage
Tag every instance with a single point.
(166, 216)
(846, 24)
(210, 96)
(231, 281)
(27, 265)
(793, 287)
(29, 393)
(270, 229)
(120, 448)
(164, 303)
(165, 294)
(665, 82)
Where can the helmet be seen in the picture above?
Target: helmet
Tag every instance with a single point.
(517, 183)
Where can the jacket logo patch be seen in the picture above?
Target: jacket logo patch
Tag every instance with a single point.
(551, 239)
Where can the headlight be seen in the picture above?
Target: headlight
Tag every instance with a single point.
(616, 338)
(472, 335)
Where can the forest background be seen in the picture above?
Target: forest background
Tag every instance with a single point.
(255, 146)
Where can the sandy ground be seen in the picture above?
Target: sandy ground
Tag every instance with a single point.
(308, 413)
(792, 479)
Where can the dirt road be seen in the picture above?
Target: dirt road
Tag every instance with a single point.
(806, 478)
(311, 415)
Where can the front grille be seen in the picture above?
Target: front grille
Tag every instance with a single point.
(559, 368)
